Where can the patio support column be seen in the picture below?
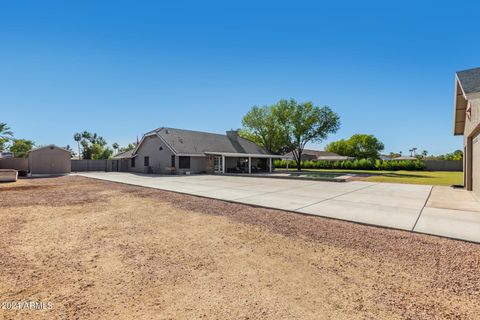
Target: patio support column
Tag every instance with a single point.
(286, 160)
(249, 164)
(223, 164)
(270, 165)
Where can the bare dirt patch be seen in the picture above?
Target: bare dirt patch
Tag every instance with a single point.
(97, 249)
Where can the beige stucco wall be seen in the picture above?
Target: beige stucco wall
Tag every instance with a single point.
(476, 164)
(197, 165)
(49, 161)
(160, 160)
(472, 148)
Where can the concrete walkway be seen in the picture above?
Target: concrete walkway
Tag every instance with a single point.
(399, 206)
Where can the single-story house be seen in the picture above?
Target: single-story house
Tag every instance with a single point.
(49, 160)
(170, 150)
(467, 123)
(318, 155)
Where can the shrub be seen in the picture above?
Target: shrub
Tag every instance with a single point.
(361, 164)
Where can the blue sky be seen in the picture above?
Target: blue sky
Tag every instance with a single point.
(122, 68)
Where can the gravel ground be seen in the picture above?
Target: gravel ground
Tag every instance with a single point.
(97, 249)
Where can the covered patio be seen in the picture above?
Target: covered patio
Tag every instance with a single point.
(240, 162)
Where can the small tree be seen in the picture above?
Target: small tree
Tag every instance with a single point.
(21, 147)
(129, 147)
(301, 123)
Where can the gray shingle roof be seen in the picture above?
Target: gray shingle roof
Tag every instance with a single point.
(197, 142)
(123, 155)
(470, 80)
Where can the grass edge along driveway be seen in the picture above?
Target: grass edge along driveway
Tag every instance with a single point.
(438, 178)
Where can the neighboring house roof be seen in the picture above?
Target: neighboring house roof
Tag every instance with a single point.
(50, 146)
(321, 155)
(385, 157)
(467, 87)
(405, 158)
(315, 153)
(123, 155)
(188, 142)
(335, 158)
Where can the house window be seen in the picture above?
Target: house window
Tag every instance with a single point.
(132, 162)
(172, 164)
(146, 161)
(184, 162)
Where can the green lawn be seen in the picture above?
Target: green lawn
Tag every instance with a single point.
(440, 178)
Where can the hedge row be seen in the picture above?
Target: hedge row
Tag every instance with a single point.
(362, 164)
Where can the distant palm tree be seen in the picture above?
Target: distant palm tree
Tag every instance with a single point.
(5, 134)
(78, 137)
(115, 147)
(424, 153)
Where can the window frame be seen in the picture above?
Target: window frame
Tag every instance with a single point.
(146, 161)
(181, 160)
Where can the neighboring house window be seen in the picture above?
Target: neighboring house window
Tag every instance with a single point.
(132, 162)
(184, 162)
(146, 161)
(173, 161)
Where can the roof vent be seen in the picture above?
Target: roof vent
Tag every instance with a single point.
(166, 131)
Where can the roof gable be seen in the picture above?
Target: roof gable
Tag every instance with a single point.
(469, 81)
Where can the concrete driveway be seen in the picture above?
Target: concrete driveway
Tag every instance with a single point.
(399, 206)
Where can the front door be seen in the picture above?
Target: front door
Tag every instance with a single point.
(217, 164)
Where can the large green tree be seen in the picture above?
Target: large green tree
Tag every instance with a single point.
(129, 147)
(301, 123)
(21, 147)
(360, 146)
(261, 125)
(94, 146)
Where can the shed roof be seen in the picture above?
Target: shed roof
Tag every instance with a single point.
(50, 146)
(124, 155)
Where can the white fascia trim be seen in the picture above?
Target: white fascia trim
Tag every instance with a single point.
(190, 155)
(166, 143)
(251, 155)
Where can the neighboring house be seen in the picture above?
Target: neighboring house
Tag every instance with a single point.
(467, 123)
(404, 158)
(169, 150)
(314, 155)
(6, 154)
(49, 160)
(385, 157)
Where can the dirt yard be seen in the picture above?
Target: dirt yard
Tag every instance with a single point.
(91, 249)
